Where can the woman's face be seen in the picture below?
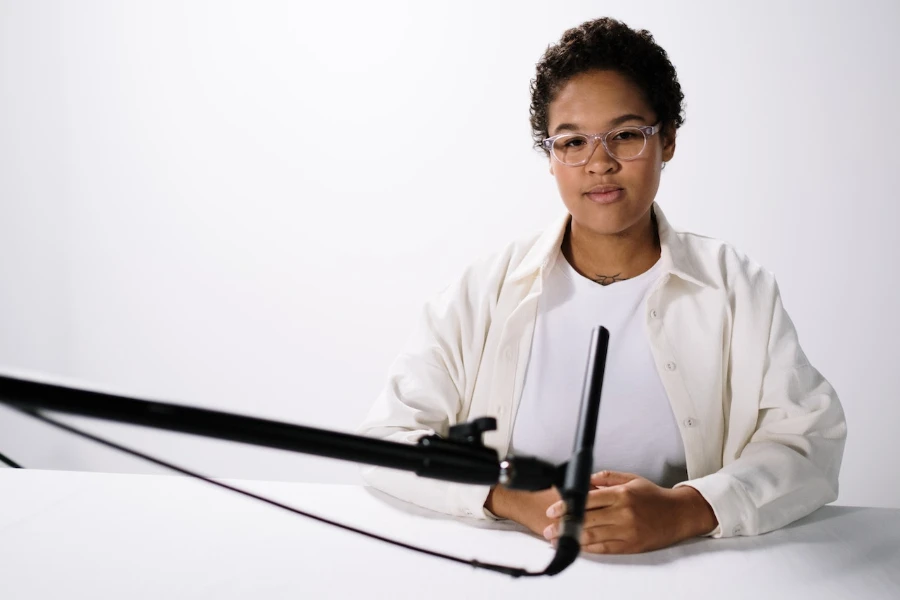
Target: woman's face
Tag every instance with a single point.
(591, 102)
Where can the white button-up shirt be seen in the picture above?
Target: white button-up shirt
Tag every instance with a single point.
(763, 431)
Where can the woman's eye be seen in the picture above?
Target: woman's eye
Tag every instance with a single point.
(625, 135)
(575, 143)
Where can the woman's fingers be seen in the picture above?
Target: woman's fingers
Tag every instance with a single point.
(592, 518)
(599, 498)
(603, 534)
(608, 547)
(607, 478)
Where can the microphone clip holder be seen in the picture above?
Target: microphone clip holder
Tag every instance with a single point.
(466, 439)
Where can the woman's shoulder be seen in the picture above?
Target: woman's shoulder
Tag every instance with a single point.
(517, 257)
(720, 262)
(478, 288)
(491, 270)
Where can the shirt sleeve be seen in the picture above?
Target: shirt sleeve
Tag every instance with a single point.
(427, 391)
(789, 466)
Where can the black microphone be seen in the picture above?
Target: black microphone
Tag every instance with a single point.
(578, 471)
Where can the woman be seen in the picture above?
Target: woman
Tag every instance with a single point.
(712, 422)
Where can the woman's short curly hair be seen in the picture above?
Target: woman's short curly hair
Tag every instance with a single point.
(606, 43)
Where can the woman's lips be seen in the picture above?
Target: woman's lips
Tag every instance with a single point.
(606, 197)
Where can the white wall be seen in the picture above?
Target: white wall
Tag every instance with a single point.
(170, 229)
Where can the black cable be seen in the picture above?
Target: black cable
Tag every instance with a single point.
(9, 462)
(511, 571)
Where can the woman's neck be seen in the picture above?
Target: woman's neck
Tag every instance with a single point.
(607, 259)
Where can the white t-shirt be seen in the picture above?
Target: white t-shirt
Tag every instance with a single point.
(636, 430)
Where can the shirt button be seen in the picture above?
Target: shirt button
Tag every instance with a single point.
(736, 530)
(689, 422)
(509, 353)
(653, 313)
(670, 366)
(468, 513)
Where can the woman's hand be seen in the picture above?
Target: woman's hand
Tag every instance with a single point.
(629, 514)
(527, 508)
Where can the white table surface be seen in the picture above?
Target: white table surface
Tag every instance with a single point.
(97, 535)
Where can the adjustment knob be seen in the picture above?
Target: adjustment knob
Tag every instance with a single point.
(471, 431)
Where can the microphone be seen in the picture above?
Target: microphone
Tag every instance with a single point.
(578, 471)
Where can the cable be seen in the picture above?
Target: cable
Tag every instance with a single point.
(511, 571)
(9, 462)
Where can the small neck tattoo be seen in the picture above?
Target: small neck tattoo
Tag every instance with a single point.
(608, 279)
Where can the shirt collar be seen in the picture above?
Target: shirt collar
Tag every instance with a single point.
(676, 255)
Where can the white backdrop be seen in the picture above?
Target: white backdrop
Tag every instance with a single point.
(171, 230)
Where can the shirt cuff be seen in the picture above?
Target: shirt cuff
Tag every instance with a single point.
(728, 501)
(471, 499)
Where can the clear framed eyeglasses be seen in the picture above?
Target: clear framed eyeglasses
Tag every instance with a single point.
(576, 149)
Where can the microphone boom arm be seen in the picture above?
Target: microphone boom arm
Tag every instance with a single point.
(460, 457)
